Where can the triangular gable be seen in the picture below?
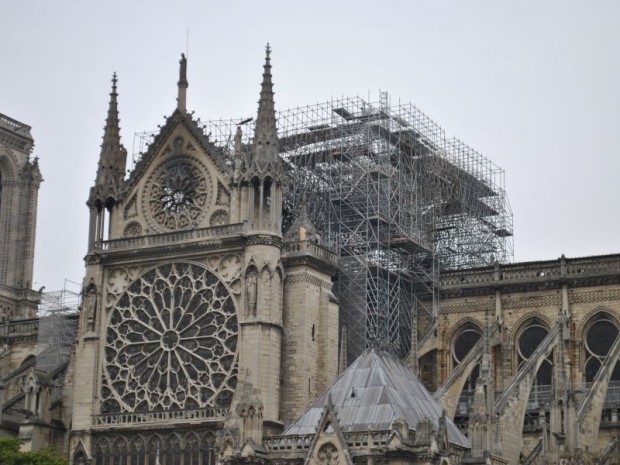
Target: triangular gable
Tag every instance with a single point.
(182, 162)
(162, 138)
(328, 446)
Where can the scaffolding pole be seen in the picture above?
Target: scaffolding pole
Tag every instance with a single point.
(398, 201)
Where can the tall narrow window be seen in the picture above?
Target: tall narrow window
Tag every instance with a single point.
(0, 192)
(465, 341)
(599, 339)
(267, 195)
(529, 340)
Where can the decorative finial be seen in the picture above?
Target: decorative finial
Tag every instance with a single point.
(183, 69)
(268, 51)
(114, 81)
(182, 84)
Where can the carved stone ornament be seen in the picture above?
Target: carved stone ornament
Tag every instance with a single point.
(171, 342)
(328, 454)
(177, 195)
(133, 229)
(219, 218)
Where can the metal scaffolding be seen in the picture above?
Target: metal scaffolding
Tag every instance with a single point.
(58, 320)
(397, 199)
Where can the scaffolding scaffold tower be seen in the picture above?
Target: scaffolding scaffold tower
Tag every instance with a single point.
(398, 201)
(58, 320)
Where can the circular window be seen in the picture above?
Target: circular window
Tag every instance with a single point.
(171, 342)
(177, 195)
(598, 341)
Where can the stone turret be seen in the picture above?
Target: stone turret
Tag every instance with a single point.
(20, 179)
(310, 315)
(259, 174)
(106, 192)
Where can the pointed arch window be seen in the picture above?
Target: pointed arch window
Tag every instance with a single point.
(173, 451)
(600, 337)
(267, 201)
(208, 449)
(0, 191)
(529, 338)
(136, 454)
(191, 452)
(255, 200)
(465, 340)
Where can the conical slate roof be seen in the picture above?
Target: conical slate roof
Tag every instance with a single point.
(374, 391)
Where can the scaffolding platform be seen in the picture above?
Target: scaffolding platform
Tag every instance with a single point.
(398, 201)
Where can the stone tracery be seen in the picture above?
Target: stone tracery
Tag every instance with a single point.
(171, 342)
(177, 195)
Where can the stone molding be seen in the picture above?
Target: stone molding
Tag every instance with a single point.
(594, 296)
(309, 278)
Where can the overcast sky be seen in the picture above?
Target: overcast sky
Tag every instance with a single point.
(532, 85)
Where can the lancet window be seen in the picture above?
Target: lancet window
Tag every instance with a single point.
(600, 336)
(465, 340)
(185, 448)
(529, 340)
(175, 449)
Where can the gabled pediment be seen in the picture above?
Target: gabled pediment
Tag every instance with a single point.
(329, 446)
(199, 140)
(181, 182)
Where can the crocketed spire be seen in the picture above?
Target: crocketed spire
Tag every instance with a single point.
(265, 136)
(113, 156)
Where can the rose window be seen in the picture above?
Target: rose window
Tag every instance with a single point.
(177, 195)
(171, 343)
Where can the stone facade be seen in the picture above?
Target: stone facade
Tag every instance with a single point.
(206, 335)
(549, 330)
(20, 178)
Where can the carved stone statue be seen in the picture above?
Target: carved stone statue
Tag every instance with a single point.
(251, 293)
(90, 305)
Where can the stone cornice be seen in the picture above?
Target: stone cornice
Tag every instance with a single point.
(264, 239)
(532, 276)
(15, 134)
(305, 277)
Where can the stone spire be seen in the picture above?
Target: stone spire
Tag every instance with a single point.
(302, 228)
(265, 136)
(113, 158)
(182, 84)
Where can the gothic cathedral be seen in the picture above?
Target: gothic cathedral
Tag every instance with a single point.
(201, 324)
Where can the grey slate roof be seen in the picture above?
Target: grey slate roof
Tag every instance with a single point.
(375, 390)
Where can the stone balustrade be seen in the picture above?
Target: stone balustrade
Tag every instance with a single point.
(294, 443)
(13, 124)
(214, 232)
(19, 327)
(23, 293)
(312, 248)
(162, 416)
(562, 268)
